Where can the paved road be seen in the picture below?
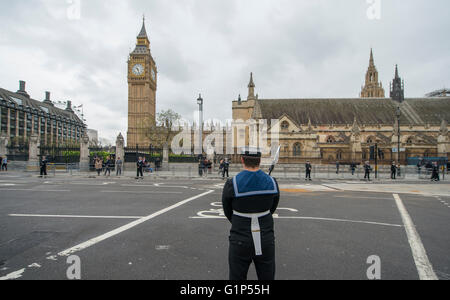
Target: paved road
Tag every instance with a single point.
(175, 229)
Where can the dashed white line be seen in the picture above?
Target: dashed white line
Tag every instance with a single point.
(423, 264)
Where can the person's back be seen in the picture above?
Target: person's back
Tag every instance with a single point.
(249, 200)
(98, 164)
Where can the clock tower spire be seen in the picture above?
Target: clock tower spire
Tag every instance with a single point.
(142, 85)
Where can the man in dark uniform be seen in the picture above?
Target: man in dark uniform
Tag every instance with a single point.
(43, 165)
(435, 173)
(140, 168)
(308, 170)
(249, 200)
(393, 171)
(367, 170)
(226, 168)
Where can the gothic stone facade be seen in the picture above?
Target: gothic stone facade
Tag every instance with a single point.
(330, 130)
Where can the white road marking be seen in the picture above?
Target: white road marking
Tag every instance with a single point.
(33, 190)
(73, 216)
(342, 220)
(119, 230)
(140, 192)
(309, 218)
(332, 188)
(424, 267)
(359, 197)
(13, 275)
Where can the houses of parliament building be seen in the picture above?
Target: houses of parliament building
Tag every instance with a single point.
(319, 130)
(345, 129)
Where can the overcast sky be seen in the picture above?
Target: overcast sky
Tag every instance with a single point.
(295, 48)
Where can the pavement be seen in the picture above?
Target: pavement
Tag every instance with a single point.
(156, 228)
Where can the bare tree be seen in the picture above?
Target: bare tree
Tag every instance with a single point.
(160, 131)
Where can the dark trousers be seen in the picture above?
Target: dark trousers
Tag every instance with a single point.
(241, 256)
(44, 171)
(225, 171)
(308, 174)
(99, 171)
(108, 170)
(367, 175)
(4, 167)
(393, 174)
(140, 172)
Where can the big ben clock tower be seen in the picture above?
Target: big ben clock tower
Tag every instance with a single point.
(142, 82)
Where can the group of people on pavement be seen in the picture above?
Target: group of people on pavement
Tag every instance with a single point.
(395, 170)
(105, 166)
(204, 167)
(4, 163)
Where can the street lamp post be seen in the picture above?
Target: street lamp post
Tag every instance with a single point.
(200, 121)
(398, 114)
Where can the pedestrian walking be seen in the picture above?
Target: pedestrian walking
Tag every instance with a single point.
(108, 164)
(367, 170)
(435, 172)
(338, 165)
(249, 201)
(5, 164)
(353, 168)
(221, 165)
(98, 165)
(200, 167)
(209, 165)
(43, 166)
(308, 167)
(393, 170)
(419, 166)
(140, 168)
(119, 164)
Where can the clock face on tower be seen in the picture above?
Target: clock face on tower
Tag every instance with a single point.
(138, 69)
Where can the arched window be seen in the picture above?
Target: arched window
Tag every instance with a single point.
(286, 148)
(339, 155)
(285, 126)
(380, 154)
(297, 149)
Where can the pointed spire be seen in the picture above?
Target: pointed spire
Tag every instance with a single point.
(355, 128)
(373, 88)
(143, 33)
(372, 61)
(396, 71)
(310, 128)
(251, 84)
(251, 89)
